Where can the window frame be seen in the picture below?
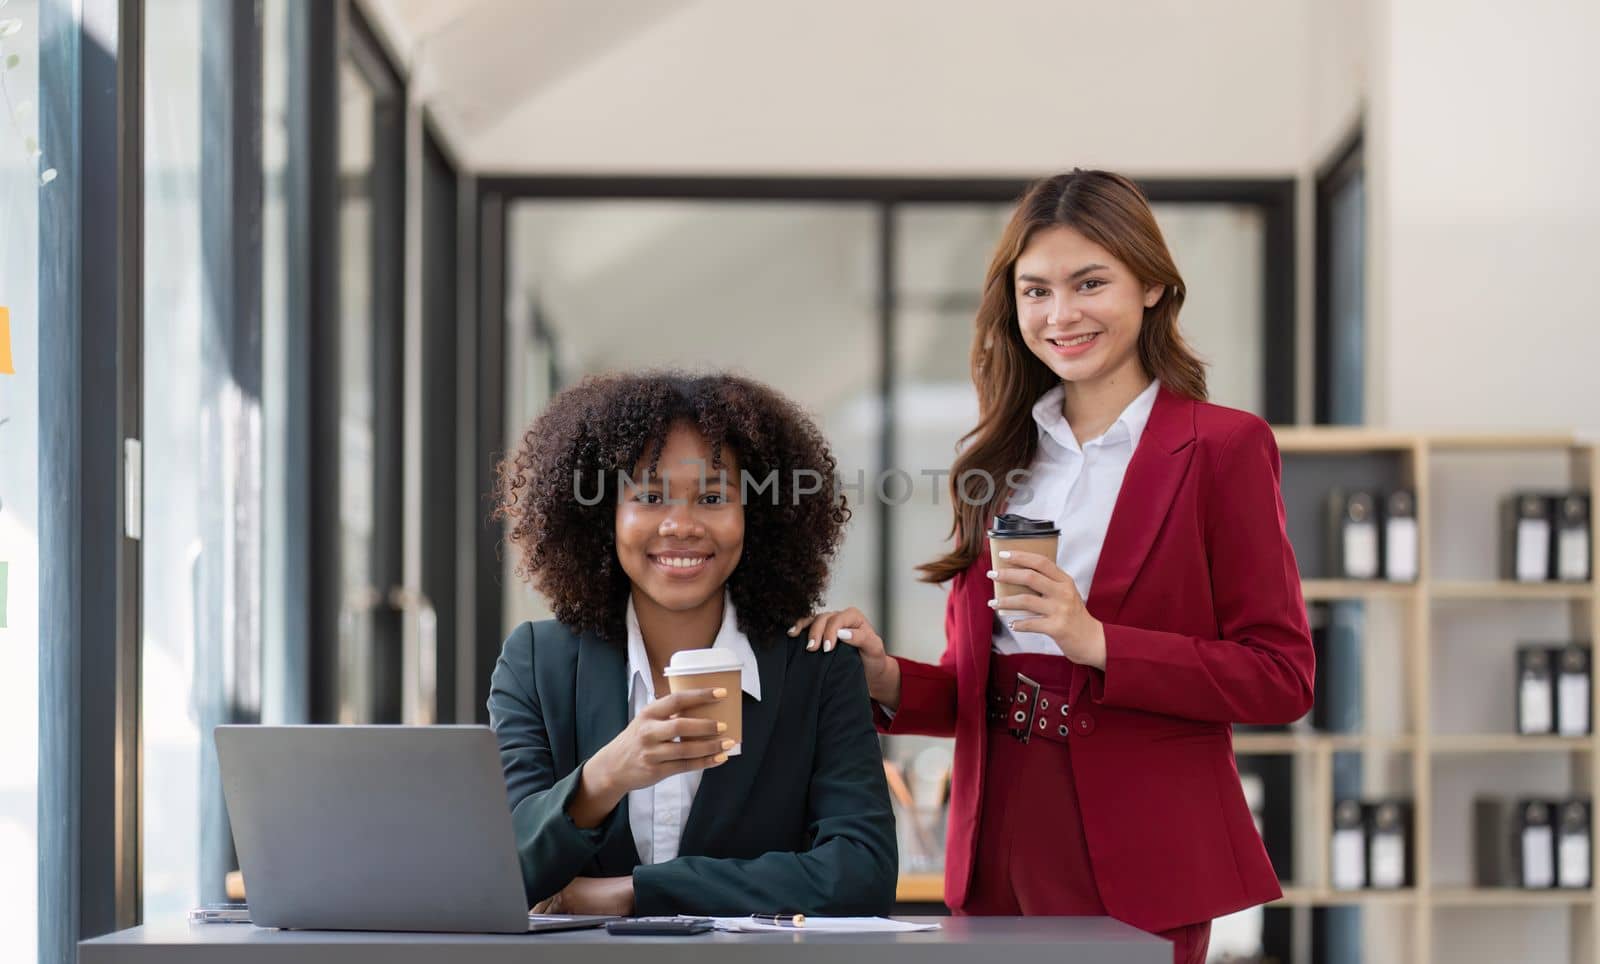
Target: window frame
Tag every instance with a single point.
(1345, 163)
(322, 35)
(89, 579)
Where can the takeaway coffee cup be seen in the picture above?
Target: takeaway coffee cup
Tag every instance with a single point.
(693, 669)
(1015, 532)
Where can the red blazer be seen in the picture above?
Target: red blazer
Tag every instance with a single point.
(1205, 627)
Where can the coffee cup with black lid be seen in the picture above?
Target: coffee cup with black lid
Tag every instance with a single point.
(1019, 533)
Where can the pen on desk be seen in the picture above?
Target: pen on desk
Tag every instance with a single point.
(780, 920)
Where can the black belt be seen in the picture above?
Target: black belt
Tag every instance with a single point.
(1023, 707)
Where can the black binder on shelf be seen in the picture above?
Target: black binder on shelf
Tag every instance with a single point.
(1535, 844)
(1389, 844)
(1514, 844)
(1399, 549)
(1573, 682)
(1536, 692)
(1336, 639)
(1570, 551)
(1354, 544)
(1574, 850)
(1525, 538)
(1348, 851)
(1494, 848)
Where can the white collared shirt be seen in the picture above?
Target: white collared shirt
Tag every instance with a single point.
(1076, 487)
(657, 813)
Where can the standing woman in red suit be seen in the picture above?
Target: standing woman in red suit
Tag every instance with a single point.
(1094, 769)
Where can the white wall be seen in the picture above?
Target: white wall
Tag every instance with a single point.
(1483, 218)
(889, 87)
(1486, 213)
(1337, 75)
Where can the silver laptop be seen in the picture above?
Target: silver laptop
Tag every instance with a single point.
(392, 828)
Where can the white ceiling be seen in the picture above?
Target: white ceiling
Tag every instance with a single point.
(474, 62)
(886, 87)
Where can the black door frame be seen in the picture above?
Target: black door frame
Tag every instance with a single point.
(323, 35)
(1344, 164)
(442, 378)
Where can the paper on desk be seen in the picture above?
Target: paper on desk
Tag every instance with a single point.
(824, 925)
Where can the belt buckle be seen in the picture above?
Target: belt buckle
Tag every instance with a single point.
(1026, 691)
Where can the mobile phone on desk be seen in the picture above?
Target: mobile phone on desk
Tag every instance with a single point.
(220, 914)
(660, 926)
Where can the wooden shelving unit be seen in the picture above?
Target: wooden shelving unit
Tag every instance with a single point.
(1510, 743)
(1501, 591)
(1425, 463)
(1282, 743)
(1509, 897)
(1424, 459)
(1323, 897)
(1332, 590)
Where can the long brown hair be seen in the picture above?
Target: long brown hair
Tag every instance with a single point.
(1111, 211)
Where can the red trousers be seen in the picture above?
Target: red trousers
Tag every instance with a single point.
(1031, 856)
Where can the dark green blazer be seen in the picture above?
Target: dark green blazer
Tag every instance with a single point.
(799, 821)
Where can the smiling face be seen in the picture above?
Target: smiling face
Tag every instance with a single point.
(680, 531)
(1079, 309)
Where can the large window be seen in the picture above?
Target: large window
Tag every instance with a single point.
(361, 593)
(366, 338)
(201, 656)
(230, 333)
(21, 167)
(284, 620)
(168, 227)
(177, 553)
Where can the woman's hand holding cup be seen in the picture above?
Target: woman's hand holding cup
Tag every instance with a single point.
(665, 738)
(1050, 603)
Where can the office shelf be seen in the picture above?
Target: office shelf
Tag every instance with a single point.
(1509, 743)
(1335, 440)
(1508, 897)
(1328, 590)
(1507, 442)
(1437, 467)
(1280, 743)
(1274, 743)
(1505, 591)
(1325, 897)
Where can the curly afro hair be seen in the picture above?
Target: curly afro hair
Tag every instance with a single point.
(603, 426)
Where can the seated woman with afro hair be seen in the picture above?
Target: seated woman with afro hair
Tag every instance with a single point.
(662, 512)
